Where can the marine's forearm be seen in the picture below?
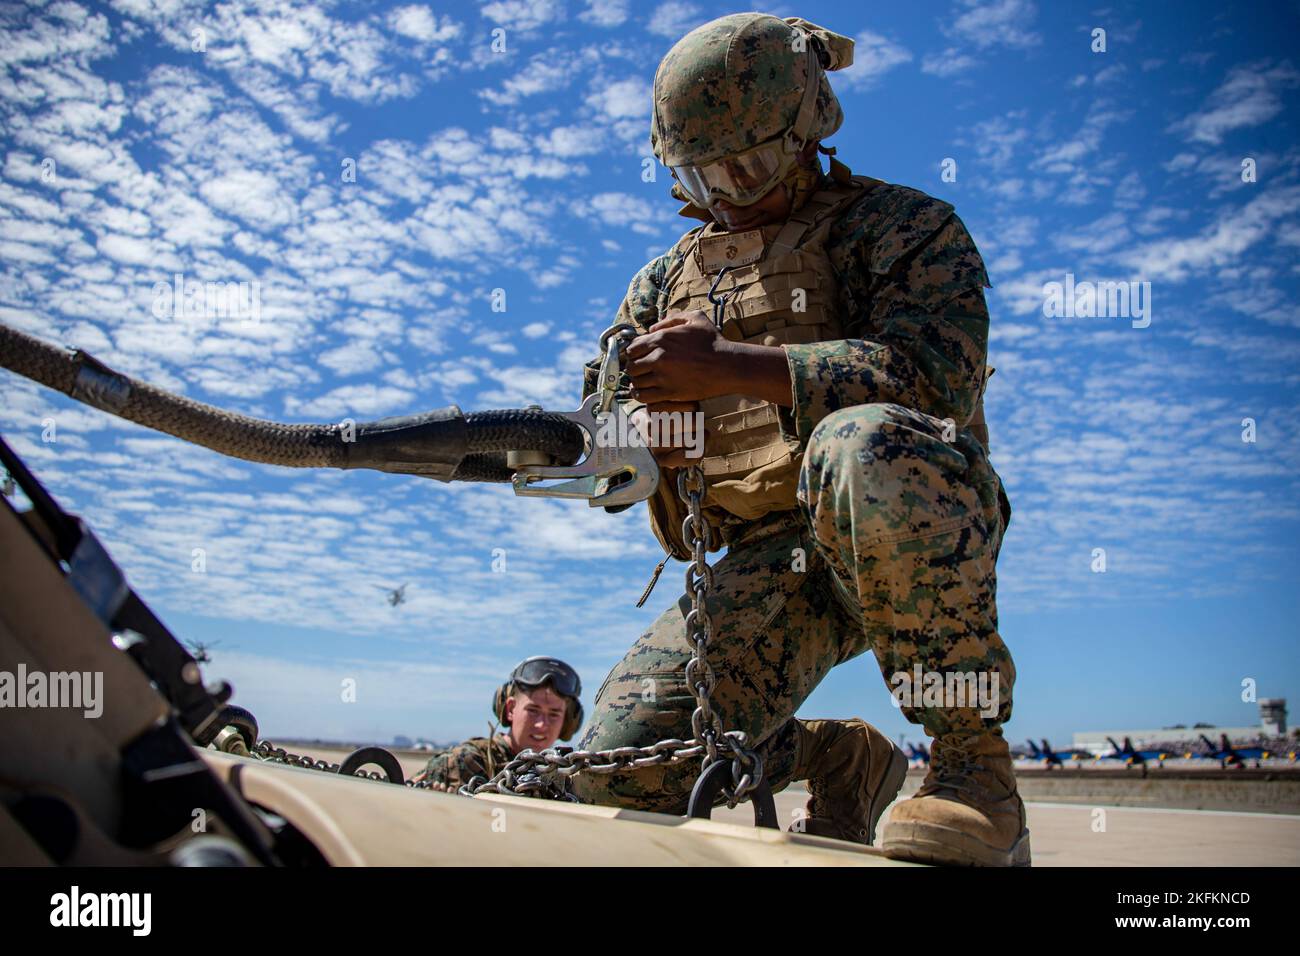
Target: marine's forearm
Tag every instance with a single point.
(760, 371)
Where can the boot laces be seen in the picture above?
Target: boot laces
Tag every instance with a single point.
(816, 797)
(952, 764)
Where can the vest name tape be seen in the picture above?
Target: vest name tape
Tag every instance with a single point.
(730, 249)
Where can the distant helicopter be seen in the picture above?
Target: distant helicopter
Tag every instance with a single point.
(200, 650)
(396, 596)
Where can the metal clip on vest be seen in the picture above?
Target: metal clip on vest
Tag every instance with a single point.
(618, 472)
(719, 302)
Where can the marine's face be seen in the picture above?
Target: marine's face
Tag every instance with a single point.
(535, 718)
(774, 207)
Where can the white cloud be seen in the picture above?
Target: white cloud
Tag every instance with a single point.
(252, 195)
(1130, 192)
(1248, 97)
(545, 72)
(674, 19)
(605, 13)
(1101, 235)
(523, 15)
(352, 358)
(285, 55)
(623, 210)
(950, 62)
(296, 105)
(566, 141)
(621, 99)
(135, 251)
(873, 57)
(520, 385)
(1066, 156)
(420, 23)
(356, 401)
(992, 24)
(66, 30)
(985, 25)
(1109, 74)
(1219, 244)
(625, 106)
(998, 141)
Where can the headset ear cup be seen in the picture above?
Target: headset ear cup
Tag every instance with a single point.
(499, 703)
(572, 721)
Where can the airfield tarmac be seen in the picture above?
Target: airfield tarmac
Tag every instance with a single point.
(1063, 834)
(1075, 834)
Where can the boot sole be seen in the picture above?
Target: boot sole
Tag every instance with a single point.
(944, 846)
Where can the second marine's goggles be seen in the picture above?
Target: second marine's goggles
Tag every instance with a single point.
(536, 671)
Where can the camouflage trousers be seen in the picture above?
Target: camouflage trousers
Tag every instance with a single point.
(892, 549)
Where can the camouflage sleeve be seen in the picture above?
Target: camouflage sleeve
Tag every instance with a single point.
(917, 325)
(454, 767)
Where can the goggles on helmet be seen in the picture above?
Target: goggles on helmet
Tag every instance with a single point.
(742, 179)
(536, 671)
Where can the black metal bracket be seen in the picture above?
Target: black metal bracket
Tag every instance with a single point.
(378, 756)
(708, 788)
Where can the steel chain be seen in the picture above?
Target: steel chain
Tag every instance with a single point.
(265, 750)
(546, 774)
(700, 678)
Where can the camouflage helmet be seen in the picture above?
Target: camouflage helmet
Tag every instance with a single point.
(739, 81)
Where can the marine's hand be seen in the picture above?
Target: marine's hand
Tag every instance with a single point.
(673, 431)
(683, 358)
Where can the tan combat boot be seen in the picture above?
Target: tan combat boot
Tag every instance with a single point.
(853, 772)
(967, 812)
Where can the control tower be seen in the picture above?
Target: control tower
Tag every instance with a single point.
(1272, 716)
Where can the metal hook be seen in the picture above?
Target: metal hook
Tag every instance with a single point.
(611, 369)
(624, 329)
(719, 303)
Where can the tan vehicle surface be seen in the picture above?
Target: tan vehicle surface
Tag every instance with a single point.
(357, 822)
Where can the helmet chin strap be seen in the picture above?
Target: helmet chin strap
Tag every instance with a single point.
(800, 183)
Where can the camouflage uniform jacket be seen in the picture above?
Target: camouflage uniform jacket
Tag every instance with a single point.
(478, 756)
(915, 320)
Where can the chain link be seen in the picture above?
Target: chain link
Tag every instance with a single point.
(265, 750)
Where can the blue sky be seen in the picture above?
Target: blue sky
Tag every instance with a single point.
(129, 156)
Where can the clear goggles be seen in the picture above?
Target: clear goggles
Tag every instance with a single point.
(536, 671)
(742, 179)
